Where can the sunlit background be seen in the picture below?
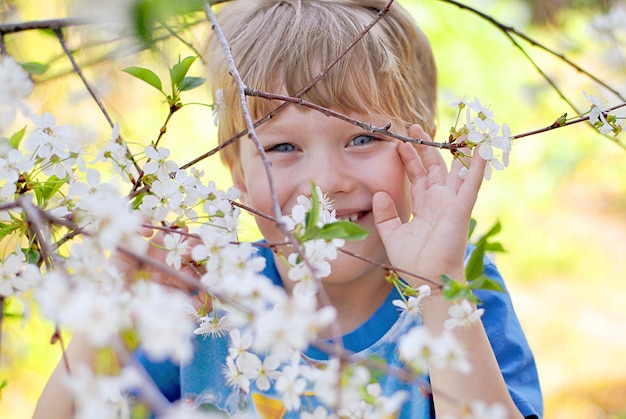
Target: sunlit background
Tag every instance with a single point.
(562, 201)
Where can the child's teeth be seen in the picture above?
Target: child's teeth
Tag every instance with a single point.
(354, 217)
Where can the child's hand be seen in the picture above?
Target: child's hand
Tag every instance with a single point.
(130, 267)
(433, 242)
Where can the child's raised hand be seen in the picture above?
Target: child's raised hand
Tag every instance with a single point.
(433, 242)
(130, 267)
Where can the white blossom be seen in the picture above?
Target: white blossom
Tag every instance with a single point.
(54, 146)
(413, 304)
(15, 87)
(291, 385)
(162, 321)
(165, 197)
(159, 163)
(213, 325)
(463, 314)
(16, 275)
(176, 246)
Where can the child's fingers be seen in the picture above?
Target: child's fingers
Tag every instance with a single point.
(386, 215)
(458, 164)
(474, 177)
(413, 166)
(434, 166)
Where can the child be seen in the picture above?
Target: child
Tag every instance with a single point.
(416, 210)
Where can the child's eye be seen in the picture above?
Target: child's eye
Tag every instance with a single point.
(281, 148)
(362, 140)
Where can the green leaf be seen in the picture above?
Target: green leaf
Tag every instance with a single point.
(497, 227)
(475, 264)
(472, 227)
(35, 68)
(138, 200)
(16, 138)
(44, 191)
(312, 216)
(341, 229)
(32, 255)
(494, 247)
(144, 21)
(485, 283)
(453, 291)
(179, 71)
(146, 75)
(7, 229)
(190, 83)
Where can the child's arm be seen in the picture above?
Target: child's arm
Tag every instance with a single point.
(432, 243)
(56, 401)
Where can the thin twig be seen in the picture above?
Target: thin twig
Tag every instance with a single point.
(391, 268)
(246, 113)
(53, 24)
(571, 122)
(542, 73)
(79, 72)
(338, 115)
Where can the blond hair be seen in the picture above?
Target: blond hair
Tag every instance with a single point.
(279, 46)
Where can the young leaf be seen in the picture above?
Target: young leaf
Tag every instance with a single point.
(313, 216)
(472, 227)
(475, 264)
(35, 68)
(147, 76)
(190, 83)
(485, 283)
(453, 290)
(144, 20)
(44, 191)
(32, 255)
(16, 138)
(341, 229)
(138, 200)
(179, 71)
(497, 227)
(6, 229)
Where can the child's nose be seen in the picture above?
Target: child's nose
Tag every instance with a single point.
(331, 174)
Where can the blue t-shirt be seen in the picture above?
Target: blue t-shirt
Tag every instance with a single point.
(201, 380)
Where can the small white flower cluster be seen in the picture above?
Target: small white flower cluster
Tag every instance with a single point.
(317, 253)
(463, 314)
(176, 192)
(413, 304)
(481, 130)
(100, 311)
(606, 121)
(16, 275)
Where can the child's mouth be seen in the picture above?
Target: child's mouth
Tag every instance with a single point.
(355, 216)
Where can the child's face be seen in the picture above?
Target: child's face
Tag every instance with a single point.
(346, 162)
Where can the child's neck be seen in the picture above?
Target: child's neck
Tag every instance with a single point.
(355, 306)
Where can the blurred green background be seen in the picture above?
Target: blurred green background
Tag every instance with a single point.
(562, 201)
